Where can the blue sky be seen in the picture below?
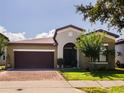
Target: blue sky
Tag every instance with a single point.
(37, 16)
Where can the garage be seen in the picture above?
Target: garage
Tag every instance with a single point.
(34, 59)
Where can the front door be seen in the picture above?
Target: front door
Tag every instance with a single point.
(70, 55)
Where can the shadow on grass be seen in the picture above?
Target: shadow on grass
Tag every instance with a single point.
(117, 74)
(111, 75)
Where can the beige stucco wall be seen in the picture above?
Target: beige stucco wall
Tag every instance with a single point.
(11, 47)
(65, 36)
(84, 62)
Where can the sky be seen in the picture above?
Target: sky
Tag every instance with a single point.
(24, 19)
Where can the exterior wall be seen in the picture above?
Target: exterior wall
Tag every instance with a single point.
(65, 36)
(119, 49)
(111, 58)
(10, 58)
(84, 61)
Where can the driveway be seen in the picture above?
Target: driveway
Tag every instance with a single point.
(24, 75)
(46, 81)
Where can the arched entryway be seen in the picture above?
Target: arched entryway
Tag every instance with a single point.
(70, 55)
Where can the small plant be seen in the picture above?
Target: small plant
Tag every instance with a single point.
(60, 62)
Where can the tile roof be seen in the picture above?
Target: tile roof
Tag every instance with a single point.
(44, 41)
(120, 41)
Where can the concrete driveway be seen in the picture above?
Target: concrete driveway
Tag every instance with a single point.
(44, 81)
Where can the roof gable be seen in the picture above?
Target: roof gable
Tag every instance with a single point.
(72, 26)
(65, 27)
(104, 31)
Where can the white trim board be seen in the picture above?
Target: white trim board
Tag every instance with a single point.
(99, 63)
(34, 50)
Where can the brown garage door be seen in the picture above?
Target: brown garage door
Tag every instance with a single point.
(24, 59)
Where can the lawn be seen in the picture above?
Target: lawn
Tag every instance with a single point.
(78, 74)
(119, 89)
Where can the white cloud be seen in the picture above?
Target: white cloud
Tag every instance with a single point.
(2, 29)
(12, 36)
(21, 35)
(45, 35)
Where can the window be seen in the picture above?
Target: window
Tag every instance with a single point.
(102, 56)
(3, 57)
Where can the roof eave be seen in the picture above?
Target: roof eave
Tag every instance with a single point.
(53, 44)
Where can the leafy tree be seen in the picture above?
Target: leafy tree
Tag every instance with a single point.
(105, 11)
(90, 45)
(3, 43)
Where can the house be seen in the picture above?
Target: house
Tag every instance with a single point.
(3, 49)
(44, 52)
(119, 47)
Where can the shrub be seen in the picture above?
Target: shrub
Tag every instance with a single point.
(60, 62)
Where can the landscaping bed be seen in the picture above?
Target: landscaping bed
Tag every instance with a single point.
(78, 74)
(119, 89)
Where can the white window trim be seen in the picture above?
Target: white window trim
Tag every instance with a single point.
(102, 63)
(78, 64)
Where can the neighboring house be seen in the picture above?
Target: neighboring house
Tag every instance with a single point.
(4, 56)
(44, 52)
(119, 59)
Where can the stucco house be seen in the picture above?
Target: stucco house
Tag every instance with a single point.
(44, 52)
(119, 47)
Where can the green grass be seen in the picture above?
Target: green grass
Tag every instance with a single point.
(78, 74)
(94, 90)
(119, 89)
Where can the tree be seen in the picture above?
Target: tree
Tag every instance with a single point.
(3, 43)
(90, 45)
(105, 11)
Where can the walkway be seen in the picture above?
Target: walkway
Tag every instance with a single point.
(96, 83)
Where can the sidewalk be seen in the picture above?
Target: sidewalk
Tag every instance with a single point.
(96, 83)
(34, 84)
(37, 87)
